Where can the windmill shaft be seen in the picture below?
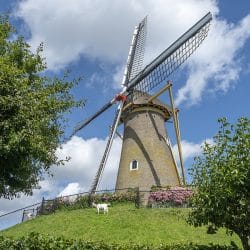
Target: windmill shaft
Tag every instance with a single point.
(107, 149)
(169, 51)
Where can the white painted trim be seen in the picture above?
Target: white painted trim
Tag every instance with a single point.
(131, 164)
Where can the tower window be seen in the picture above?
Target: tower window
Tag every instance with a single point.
(134, 165)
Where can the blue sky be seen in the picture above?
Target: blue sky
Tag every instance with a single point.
(92, 39)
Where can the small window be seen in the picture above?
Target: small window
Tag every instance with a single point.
(134, 165)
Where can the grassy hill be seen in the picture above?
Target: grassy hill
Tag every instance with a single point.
(123, 224)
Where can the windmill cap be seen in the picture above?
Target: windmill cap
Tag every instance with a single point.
(141, 99)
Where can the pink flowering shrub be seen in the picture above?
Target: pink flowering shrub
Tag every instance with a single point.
(173, 196)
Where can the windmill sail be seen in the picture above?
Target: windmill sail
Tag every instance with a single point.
(170, 59)
(101, 167)
(162, 66)
(134, 62)
(133, 67)
(89, 120)
(137, 62)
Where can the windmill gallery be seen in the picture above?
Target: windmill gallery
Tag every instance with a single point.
(147, 158)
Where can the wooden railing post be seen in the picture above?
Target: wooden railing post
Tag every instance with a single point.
(137, 197)
(90, 199)
(23, 215)
(42, 206)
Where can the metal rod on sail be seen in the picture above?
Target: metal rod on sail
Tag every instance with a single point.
(116, 132)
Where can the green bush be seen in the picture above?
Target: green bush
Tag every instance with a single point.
(86, 201)
(35, 241)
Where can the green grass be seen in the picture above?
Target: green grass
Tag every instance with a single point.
(123, 224)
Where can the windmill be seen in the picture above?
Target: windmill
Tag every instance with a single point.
(147, 158)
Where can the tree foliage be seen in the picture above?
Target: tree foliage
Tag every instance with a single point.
(221, 176)
(43, 242)
(32, 108)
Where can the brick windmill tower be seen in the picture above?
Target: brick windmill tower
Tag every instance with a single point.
(146, 157)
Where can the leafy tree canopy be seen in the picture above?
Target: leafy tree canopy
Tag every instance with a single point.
(32, 108)
(221, 176)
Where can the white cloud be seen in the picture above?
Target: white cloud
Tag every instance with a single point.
(216, 66)
(72, 188)
(85, 158)
(189, 149)
(118, 76)
(102, 29)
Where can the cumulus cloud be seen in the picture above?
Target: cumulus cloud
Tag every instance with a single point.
(189, 149)
(85, 158)
(103, 29)
(216, 66)
(72, 188)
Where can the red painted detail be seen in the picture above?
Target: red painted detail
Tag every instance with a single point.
(120, 97)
